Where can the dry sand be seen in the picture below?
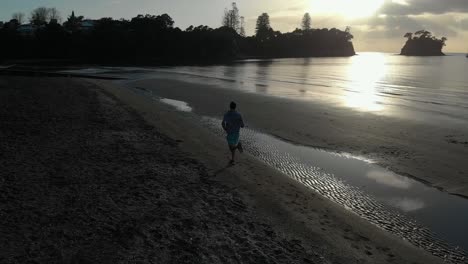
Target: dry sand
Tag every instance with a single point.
(89, 176)
(429, 153)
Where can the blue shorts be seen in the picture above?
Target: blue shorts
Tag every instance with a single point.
(233, 139)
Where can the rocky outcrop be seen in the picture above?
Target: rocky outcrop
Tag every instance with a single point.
(423, 44)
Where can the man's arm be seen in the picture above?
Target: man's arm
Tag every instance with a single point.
(242, 122)
(223, 123)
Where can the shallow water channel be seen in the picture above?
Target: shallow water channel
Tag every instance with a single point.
(426, 217)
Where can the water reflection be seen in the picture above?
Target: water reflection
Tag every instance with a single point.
(262, 77)
(179, 105)
(407, 204)
(230, 73)
(261, 88)
(386, 199)
(304, 75)
(365, 72)
(433, 90)
(389, 179)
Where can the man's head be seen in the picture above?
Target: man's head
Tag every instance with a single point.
(233, 106)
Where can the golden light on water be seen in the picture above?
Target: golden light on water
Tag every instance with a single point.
(346, 8)
(365, 72)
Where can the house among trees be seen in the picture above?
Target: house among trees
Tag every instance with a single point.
(26, 30)
(78, 23)
(87, 25)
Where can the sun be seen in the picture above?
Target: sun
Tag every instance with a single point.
(346, 8)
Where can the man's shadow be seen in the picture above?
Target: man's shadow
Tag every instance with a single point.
(223, 169)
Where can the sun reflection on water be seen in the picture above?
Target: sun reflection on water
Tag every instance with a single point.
(364, 74)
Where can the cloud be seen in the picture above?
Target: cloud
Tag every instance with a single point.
(397, 26)
(417, 7)
(296, 8)
(463, 24)
(384, 30)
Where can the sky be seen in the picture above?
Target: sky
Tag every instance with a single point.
(378, 25)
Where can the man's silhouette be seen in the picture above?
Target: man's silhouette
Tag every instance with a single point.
(232, 123)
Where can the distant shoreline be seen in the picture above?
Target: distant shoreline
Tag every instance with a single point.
(34, 63)
(47, 64)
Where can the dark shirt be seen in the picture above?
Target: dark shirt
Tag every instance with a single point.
(232, 122)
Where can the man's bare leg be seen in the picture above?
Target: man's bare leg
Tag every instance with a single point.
(233, 153)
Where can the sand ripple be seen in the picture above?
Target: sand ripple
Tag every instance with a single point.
(274, 153)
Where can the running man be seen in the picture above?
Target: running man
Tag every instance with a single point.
(232, 123)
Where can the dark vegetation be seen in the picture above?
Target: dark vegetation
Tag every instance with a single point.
(150, 39)
(305, 42)
(423, 43)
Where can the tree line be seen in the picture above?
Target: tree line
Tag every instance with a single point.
(153, 39)
(38, 16)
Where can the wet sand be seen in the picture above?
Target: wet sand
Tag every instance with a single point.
(430, 154)
(97, 174)
(291, 208)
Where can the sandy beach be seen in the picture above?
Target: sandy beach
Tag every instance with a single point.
(426, 152)
(93, 173)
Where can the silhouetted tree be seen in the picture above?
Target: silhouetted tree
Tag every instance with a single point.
(12, 25)
(306, 22)
(242, 27)
(408, 35)
(40, 16)
(73, 22)
(150, 23)
(231, 18)
(423, 34)
(263, 28)
(19, 17)
(152, 39)
(153, 35)
(54, 14)
(263, 22)
(443, 40)
(11, 42)
(52, 41)
(347, 34)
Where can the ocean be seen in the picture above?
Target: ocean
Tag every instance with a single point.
(426, 89)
